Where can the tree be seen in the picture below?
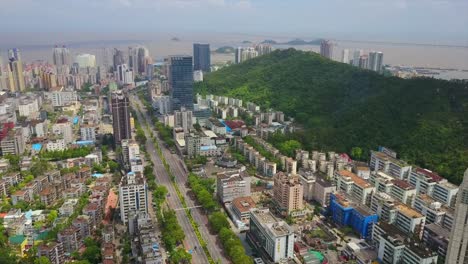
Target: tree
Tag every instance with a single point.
(52, 216)
(42, 260)
(356, 153)
(92, 252)
(217, 221)
(180, 256)
(289, 147)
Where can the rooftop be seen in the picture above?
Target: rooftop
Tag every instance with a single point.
(429, 174)
(271, 223)
(403, 184)
(408, 211)
(386, 157)
(356, 179)
(243, 204)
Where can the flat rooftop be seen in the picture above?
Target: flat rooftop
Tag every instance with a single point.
(244, 204)
(409, 212)
(273, 225)
(356, 179)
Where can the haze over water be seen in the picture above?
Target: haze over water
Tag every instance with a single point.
(39, 47)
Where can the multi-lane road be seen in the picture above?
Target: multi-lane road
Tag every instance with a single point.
(179, 171)
(191, 240)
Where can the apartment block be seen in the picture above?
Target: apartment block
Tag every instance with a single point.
(133, 195)
(381, 161)
(232, 184)
(346, 212)
(403, 191)
(273, 236)
(409, 220)
(354, 185)
(288, 194)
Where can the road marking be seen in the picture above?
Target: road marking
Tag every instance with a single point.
(178, 209)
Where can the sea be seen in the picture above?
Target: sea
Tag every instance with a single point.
(450, 61)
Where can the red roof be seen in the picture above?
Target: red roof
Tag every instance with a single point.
(435, 177)
(233, 124)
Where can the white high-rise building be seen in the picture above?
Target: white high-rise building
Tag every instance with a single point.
(326, 49)
(275, 236)
(133, 195)
(345, 56)
(86, 60)
(457, 252)
(61, 56)
(375, 61)
(356, 56)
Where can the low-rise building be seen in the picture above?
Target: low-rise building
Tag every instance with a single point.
(53, 251)
(354, 185)
(241, 208)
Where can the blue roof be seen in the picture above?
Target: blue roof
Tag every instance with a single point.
(97, 175)
(228, 129)
(205, 148)
(84, 142)
(36, 147)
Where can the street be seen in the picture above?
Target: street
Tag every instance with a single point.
(173, 202)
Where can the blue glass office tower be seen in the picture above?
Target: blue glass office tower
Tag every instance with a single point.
(181, 81)
(201, 57)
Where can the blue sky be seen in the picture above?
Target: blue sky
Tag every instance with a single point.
(399, 20)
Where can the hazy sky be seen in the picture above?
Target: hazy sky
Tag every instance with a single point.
(431, 21)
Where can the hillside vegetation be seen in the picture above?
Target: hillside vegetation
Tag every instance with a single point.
(340, 107)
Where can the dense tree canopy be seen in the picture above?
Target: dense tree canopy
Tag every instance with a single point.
(425, 120)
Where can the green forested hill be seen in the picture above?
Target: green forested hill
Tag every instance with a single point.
(341, 107)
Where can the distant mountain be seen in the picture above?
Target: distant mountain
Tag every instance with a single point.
(340, 107)
(296, 42)
(175, 39)
(269, 41)
(225, 49)
(246, 42)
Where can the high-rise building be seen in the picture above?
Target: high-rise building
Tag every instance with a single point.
(124, 74)
(232, 184)
(85, 60)
(364, 62)
(375, 61)
(61, 56)
(274, 236)
(133, 58)
(288, 193)
(263, 49)
(118, 58)
(143, 59)
(356, 55)
(238, 56)
(183, 119)
(121, 116)
(16, 68)
(133, 195)
(181, 81)
(326, 49)
(201, 57)
(345, 56)
(458, 246)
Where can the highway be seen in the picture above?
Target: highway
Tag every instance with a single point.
(173, 202)
(178, 169)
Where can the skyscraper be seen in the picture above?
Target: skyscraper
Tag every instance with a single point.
(345, 56)
(375, 61)
(133, 195)
(120, 116)
(457, 252)
(143, 59)
(181, 81)
(118, 58)
(133, 58)
(263, 49)
(16, 67)
(356, 56)
(326, 49)
(238, 55)
(201, 57)
(61, 56)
